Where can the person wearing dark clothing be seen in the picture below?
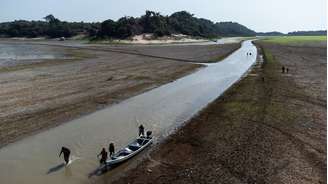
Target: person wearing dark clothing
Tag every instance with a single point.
(104, 156)
(283, 69)
(66, 152)
(149, 134)
(111, 149)
(287, 70)
(141, 130)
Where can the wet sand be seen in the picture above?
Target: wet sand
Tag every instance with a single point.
(40, 94)
(268, 128)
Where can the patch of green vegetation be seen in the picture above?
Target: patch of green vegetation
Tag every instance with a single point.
(80, 54)
(181, 22)
(268, 57)
(295, 39)
(279, 94)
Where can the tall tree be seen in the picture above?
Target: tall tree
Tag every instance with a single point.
(51, 19)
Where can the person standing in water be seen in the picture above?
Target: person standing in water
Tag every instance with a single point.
(104, 156)
(111, 149)
(141, 130)
(66, 152)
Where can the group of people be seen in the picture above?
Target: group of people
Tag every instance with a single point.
(284, 69)
(111, 149)
(104, 155)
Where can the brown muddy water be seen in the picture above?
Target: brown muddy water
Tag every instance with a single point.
(35, 159)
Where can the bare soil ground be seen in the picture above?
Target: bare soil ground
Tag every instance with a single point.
(41, 94)
(195, 53)
(268, 128)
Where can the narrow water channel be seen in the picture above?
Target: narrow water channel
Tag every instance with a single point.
(35, 159)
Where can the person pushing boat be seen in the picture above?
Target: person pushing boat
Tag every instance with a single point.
(141, 130)
(111, 149)
(149, 134)
(132, 149)
(104, 156)
(66, 152)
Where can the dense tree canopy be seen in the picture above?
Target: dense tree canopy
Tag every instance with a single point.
(51, 27)
(178, 23)
(152, 22)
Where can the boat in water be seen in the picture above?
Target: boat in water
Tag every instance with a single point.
(124, 154)
(130, 150)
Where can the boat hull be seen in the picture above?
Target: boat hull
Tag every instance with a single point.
(129, 151)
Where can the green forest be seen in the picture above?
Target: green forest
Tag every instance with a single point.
(151, 22)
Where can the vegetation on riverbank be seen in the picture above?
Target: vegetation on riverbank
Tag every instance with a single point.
(294, 33)
(152, 22)
(295, 39)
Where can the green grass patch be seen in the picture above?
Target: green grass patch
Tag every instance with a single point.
(295, 39)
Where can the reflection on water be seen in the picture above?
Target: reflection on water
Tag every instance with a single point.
(56, 168)
(160, 110)
(14, 53)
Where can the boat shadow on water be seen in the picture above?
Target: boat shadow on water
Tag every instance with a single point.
(56, 168)
(102, 170)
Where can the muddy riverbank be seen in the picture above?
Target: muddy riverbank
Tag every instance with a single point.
(268, 128)
(37, 94)
(161, 110)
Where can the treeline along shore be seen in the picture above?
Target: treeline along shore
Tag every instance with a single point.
(151, 22)
(178, 23)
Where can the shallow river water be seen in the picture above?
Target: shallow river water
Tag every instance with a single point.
(17, 53)
(35, 158)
